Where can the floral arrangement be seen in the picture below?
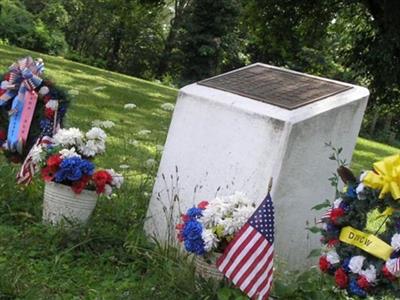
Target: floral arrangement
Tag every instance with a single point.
(211, 225)
(44, 113)
(361, 231)
(68, 160)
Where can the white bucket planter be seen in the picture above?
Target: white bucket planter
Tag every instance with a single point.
(61, 203)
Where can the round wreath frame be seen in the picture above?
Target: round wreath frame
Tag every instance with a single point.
(353, 269)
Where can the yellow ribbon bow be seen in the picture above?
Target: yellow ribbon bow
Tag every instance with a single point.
(385, 177)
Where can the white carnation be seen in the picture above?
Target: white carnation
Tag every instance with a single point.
(369, 274)
(44, 90)
(242, 214)
(107, 190)
(168, 106)
(92, 148)
(332, 257)
(117, 179)
(68, 153)
(395, 242)
(210, 240)
(356, 263)
(68, 137)
(337, 202)
(36, 154)
(130, 106)
(52, 104)
(96, 134)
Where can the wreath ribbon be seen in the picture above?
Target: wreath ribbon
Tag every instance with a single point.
(385, 177)
(366, 241)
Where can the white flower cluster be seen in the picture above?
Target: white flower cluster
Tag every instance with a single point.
(75, 143)
(168, 106)
(224, 216)
(103, 124)
(130, 106)
(356, 266)
(117, 181)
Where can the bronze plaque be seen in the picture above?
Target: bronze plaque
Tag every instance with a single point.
(275, 86)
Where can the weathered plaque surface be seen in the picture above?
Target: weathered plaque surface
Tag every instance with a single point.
(275, 86)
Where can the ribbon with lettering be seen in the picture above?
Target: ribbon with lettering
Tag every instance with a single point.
(385, 177)
(21, 84)
(366, 241)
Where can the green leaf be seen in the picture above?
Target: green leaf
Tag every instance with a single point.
(322, 205)
(314, 253)
(224, 294)
(314, 229)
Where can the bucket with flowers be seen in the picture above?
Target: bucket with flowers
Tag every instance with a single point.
(206, 229)
(71, 182)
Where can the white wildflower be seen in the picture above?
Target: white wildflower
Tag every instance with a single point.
(395, 243)
(68, 137)
(150, 163)
(68, 153)
(99, 88)
(130, 106)
(96, 134)
(133, 142)
(107, 124)
(124, 167)
(356, 263)
(168, 106)
(144, 132)
(332, 257)
(369, 274)
(36, 153)
(52, 104)
(210, 240)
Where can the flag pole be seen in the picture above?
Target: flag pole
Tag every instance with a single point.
(270, 184)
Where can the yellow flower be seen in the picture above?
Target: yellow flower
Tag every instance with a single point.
(386, 177)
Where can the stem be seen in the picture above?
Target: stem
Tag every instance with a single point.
(387, 217)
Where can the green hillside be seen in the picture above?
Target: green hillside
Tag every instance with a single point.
(109, 258)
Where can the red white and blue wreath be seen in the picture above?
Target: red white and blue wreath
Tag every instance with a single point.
(361, 231)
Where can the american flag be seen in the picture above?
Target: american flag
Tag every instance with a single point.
(326, 215)
(248, 259)
(29, 168)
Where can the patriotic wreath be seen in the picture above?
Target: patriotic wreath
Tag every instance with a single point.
(31, 107)
(361, 231)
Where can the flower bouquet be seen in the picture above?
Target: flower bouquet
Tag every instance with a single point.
(72, 183)
(207, 229)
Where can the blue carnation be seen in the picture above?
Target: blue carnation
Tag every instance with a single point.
(345, 264)
(355, 289)
(194, 212)
(73, 169)
(351, 192)
(192, 230)
(195, 246)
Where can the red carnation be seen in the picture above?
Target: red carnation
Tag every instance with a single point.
(49, 113)
(179, 228)
(54, 161)
(202, 204)
(341, 278)
(388, 274)
(331, 243)
(185, 218)
(101, 178)
(80, 185)
(324, 264)
(3, 135)
(363, 282)
(48, 173)
(336, 213)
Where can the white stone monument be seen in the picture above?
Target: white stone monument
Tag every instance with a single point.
(235, 131)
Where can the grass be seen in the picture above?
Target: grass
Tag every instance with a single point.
(110, 258)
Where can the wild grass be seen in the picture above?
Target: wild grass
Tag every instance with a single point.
(110, 258)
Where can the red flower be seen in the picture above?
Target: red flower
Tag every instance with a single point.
(46, 98)
(185, 218)
(333, 242)
(324, 264)
(388, 274)
(363, 282)
(336, 213)
(341, 278)
(48, 173)
(80, 185)
(49, 113)
(2, 91)
(101, 178)
(179, 228)
(54, 161)
(3, 135)
(202, 204)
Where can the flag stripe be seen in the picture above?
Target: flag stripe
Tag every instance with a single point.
(260, 279)
(250, 260)
(265, 287)
(254, 268)
(242, 252)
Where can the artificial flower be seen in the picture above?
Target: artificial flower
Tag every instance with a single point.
(210, 240)
(73, 169)
(203, 204)
(355, 289)
(79, 186)
(395, 242)
(49, 113)
(68, 137)
(363, 282)
(341, 278)
(117, 179)
(52, 104)
(324, 264)
(387, 273)
(332, 257)
(96, 133)
(48, 173)
(356, 263)
(36, 154)
(68, 153)
(54, 161)
(336, 213)
(3, 135)
(369, 273)
(100, 179)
